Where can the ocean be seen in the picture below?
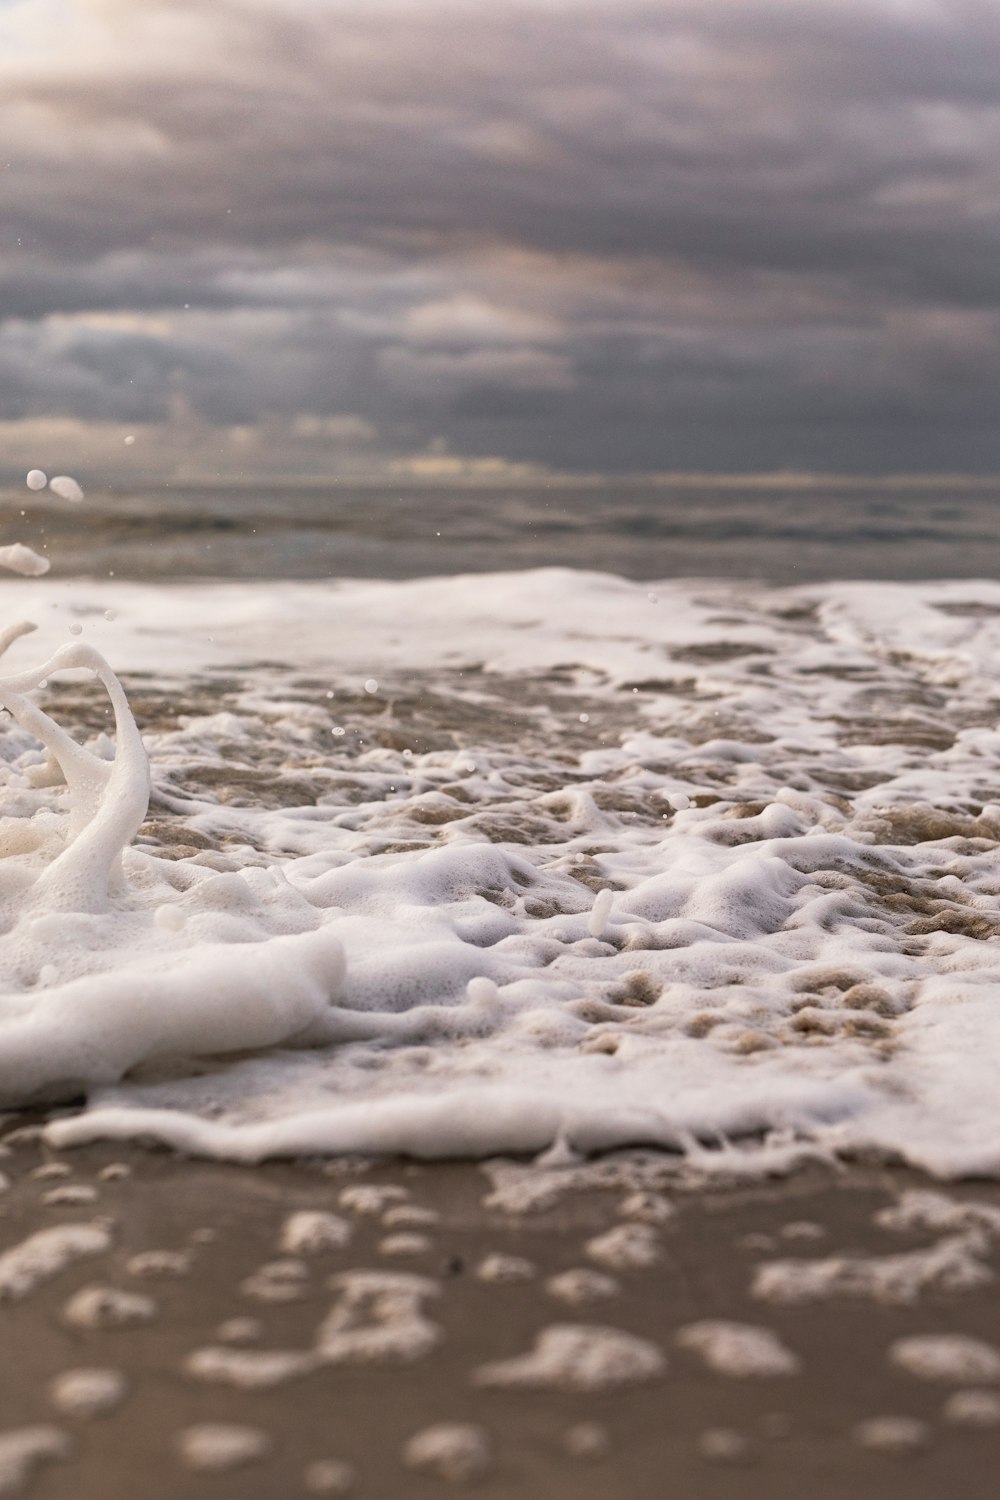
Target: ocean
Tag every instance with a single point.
(772, 533)
(523, 821)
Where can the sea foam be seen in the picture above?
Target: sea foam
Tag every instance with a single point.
(391, 938)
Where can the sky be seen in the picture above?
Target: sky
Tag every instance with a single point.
(449, 239)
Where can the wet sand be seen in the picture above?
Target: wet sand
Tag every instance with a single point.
(787, 1436)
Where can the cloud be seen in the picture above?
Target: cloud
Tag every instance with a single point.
(576, 233)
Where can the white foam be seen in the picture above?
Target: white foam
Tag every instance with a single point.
(47, 1252)
(51, 1171)
(626, 1247)
(581, 1285)
(797, 962)
(921, 1208)
(455, 1451)
(313, 1231)
(505, 1270)
(973, 1409)
(952, 1264)
(739, 1349)
(107, 1307)
(404, 1244)
(217, 1447)
(368, 1199)
(277, 1281)
(578, 1357)
(600, 912)
(66, 488)
(378, 1318)
(160, 1264)
(18, 558)
(946, 1356)
(72, 1195)
(24, 1449)
(251, 1369)
(88, 1393)
(650, 1208)
(410, 1215)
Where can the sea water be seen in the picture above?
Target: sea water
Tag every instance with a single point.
(519, 861)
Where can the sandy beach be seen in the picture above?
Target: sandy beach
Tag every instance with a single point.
(200, 1257)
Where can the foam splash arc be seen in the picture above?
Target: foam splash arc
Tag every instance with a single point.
(146, 995)
(108, 800)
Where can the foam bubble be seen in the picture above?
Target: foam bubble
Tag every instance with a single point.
(404, 1244)
(66, 488)
(369, 1199)
(160, 1264)
(739, 1349)
(505, 1270)
(923, 1208)
(72, 1195)
(313, 1231)
(410, 1215)
(251, 1369)
(455, 1451)
(217, 1447)
(18, 558)
(946, 1356)
(378, 1318)
(277, 1281)
(579, 1286)
(578, 1357)
(24, 1449)
(626, 1247)
(88, 1393)
(951, 1265)
(107, 1307)
(46, 1253)
(115, 1171)
(50, 1171)
(973, 1409)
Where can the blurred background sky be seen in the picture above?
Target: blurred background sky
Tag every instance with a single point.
(499, 238)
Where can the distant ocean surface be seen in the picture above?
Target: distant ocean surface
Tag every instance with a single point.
(779, 535)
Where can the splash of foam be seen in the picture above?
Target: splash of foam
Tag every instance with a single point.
(93, 981)
(108, 801)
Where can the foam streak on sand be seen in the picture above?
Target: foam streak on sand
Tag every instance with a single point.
(789, 801)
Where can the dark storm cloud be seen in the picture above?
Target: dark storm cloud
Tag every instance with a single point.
(608, 234)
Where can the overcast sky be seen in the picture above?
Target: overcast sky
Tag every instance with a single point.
(444, 236)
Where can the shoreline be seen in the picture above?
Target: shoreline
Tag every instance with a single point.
(203, 1243)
